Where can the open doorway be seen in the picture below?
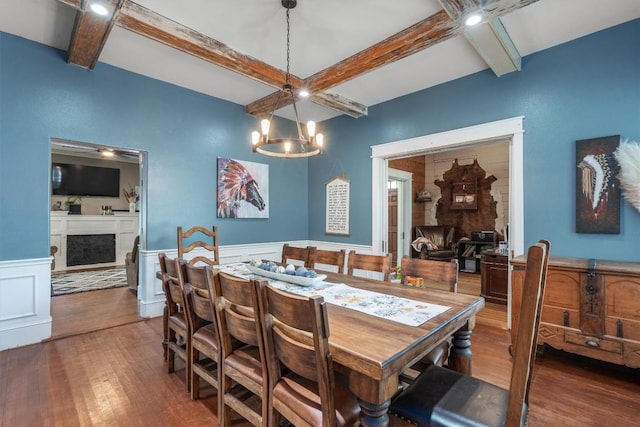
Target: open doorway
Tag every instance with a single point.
(399, 187)
(509, 130)
(105, 186)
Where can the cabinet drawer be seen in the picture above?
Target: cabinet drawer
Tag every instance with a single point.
(596, 343)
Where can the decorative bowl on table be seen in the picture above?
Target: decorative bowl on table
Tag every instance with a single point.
(298, 280)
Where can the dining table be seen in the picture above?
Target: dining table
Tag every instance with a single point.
(372, 350)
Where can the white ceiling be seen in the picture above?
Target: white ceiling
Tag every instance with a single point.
(323, 32)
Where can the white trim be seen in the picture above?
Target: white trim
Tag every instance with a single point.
(405, 196)
(427, 144)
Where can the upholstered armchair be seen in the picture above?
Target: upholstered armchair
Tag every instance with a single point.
(436, 242)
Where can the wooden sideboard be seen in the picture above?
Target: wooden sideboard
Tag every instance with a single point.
(591, 308)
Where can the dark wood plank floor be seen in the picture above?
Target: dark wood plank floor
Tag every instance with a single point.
(116, 376)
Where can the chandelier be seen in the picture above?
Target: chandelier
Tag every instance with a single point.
(289, 147)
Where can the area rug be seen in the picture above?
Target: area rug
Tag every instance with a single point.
(70, 283)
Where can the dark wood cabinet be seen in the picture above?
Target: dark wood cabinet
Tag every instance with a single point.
(495, 277)
(590, 307)
(470, 254)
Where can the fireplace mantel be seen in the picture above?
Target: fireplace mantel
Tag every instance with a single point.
(123, 225)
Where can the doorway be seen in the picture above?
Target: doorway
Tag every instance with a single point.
(399, 214)
(510, 130)
(130, 164)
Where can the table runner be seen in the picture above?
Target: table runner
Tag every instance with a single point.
(390, 307)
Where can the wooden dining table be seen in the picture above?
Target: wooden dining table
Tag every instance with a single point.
(374, 351)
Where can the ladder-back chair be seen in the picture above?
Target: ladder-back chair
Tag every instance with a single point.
(440, 396)
(376, 263)
(199, 232)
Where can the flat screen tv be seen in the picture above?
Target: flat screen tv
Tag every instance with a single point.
(82, 180)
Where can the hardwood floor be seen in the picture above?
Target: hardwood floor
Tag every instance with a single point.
(91, 311)
(494, 315)
(116, 375)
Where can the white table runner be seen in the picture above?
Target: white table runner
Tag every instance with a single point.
(397, 309)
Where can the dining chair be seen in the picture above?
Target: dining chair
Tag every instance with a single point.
(242, 359)
(303, 387)
(175, 323)
(294, 253)
(436, 274)
(377, 263)
(441, 275)
(441, 397)
(203, 340)
(327, 257)
(199, 233)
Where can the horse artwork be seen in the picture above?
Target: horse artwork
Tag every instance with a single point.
(243, 189)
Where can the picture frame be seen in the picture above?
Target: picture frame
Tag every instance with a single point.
(597, 189)
(242, 189)
(462, 201)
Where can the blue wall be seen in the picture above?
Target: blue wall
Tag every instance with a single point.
(583, 89)
(41, 97)
(586, 88)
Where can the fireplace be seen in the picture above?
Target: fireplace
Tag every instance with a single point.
(85, 249)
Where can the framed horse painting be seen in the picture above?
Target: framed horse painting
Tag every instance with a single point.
(243, 189)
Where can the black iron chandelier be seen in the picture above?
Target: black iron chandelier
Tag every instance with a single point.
(290, 147)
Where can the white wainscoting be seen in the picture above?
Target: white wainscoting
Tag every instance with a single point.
(25, 298)
(25, 287)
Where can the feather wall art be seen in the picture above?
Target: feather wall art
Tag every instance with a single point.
(628, 156)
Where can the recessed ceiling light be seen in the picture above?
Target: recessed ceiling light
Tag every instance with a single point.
(303, 93)
(473, 20)
(99, 9)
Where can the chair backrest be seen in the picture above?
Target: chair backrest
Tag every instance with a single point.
(525, 347)
(198, 301)
(212, 247)
(327, 257)
(171, 274)
(297, 254)
(379, 263)
(296, 335)
(445, 272)
(235, 303)
(134, 250)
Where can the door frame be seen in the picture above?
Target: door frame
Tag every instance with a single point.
(404, 209)
(511, 129)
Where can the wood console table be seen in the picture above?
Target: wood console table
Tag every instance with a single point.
(591, 308)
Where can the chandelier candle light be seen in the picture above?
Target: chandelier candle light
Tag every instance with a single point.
(290, 147)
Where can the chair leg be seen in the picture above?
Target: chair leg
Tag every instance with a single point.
(195, 379)
(171, 356)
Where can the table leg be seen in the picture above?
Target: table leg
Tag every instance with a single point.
(374, 415)
(460, 356)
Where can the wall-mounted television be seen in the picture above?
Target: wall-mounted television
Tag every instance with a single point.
(83, 180)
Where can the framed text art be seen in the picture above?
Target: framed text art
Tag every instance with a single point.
(337, 215)
(243, 189)
(597, 186)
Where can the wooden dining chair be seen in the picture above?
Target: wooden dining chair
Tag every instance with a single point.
(196, 233)
(436, 274)
(302, 383)
(175, 323)
(203, 342)
(376, 263)
(440, 396)
(242, 359)
(327, 257)
(442, 275)
(293, 253)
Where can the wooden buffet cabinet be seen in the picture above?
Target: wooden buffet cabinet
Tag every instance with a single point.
(591, 308)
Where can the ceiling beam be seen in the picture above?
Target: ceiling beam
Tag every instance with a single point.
(489, 38)
(147, 23)
(90, 32)
(426, 33)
